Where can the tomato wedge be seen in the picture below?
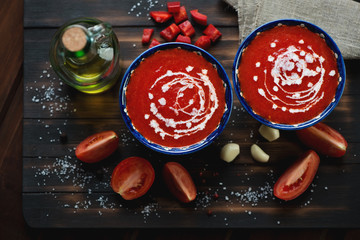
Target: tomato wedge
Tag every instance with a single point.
(132, 177)
(184, 39)
(173, 7)
(198, 17)
(97, 147)
(170, 32)
(160, 16)
(212, 32)
(203, 42)
(323, 139)
(153, 43)
(297, 178)
(147, 33)
(179, 182)
(187, 29)
(181, 15)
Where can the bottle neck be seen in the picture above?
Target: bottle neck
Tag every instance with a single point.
(78, 47)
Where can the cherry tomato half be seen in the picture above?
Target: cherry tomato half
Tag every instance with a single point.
(297, 178)
(97, 147)
(132, 177)
(179, 182)
(323, 139)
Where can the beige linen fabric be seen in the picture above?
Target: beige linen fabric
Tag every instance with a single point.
(339, 18)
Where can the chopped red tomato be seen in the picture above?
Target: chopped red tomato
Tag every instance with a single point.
(170, 32)
(203, 42)
(212, 32)
(297, 178)
(153, 43)
(187, 29)
(173, 7)
(160, 16)
(132, 177)
(147, 33)
(323, 139)
(184, 39)
(199, 17)
(181, 15)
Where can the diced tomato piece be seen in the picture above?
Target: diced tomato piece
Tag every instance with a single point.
(212, 32)
(199, 17)
(147, 33)
(184, 39)
(160, 16)
(181, 15)
(170, 32)
(153, 43)
(203, 42)
(173, 7)
(187, 29)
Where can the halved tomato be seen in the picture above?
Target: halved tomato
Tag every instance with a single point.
(132, 177)
(297, 178)
(179, 182)
(97, 147)
(147, 33)
(323, 139)
(154, 43)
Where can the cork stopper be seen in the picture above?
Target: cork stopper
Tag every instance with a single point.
(74, 39)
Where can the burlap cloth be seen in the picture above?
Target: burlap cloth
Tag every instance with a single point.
(339, 18)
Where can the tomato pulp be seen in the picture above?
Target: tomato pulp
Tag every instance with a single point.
(132, 177)
(175, 98)
(297, 178)
(288, 74)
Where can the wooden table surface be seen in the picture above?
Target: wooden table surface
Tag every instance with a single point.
(61, 198)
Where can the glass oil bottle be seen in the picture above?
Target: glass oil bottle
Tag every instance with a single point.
(84, 52)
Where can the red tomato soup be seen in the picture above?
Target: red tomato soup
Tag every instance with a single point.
(175, 98)
(288, 74)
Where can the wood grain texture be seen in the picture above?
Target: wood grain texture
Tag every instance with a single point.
(60, 192)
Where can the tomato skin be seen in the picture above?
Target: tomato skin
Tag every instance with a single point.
(187, 29)
(173, 7)
(184, 39)
(179, 182)
(203, 42)
(160, 16)
(212, 32)
(170, 32)
(198, 17)
(97, 147)
(154, 43)
(323, 139)
(147, 33)
(181, 15)
(132, 177)
(297, 178)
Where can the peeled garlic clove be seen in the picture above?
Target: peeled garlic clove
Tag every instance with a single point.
(229, 152)
(258, 154)
(269, 133)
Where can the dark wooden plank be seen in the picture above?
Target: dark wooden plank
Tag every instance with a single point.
(42, 138)
(244, 201)
(42, 13)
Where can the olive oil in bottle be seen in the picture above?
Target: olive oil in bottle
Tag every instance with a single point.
(85, 54)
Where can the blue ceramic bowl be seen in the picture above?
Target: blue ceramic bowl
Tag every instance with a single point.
(177, 150)
(331, 44)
